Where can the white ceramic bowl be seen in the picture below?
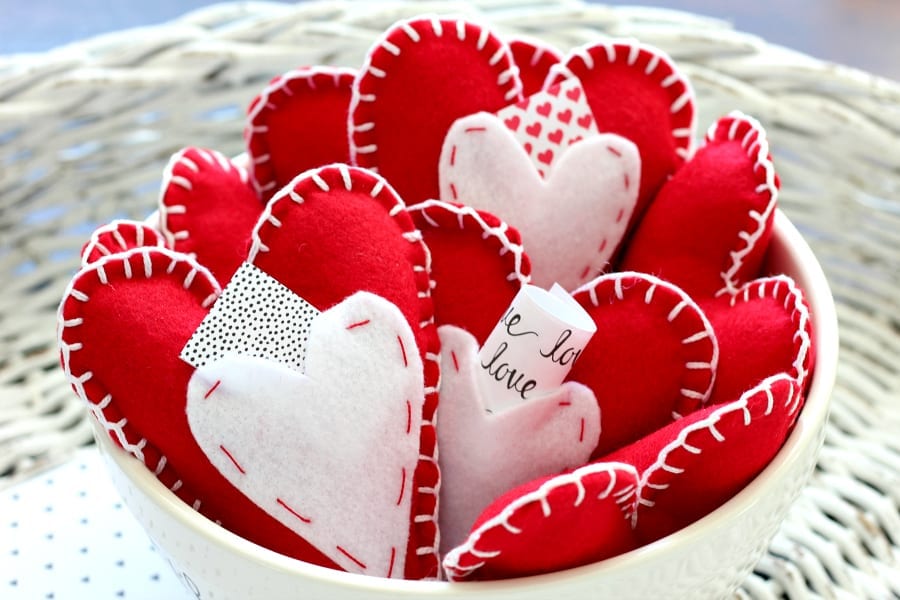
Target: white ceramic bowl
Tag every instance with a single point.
(707, 559)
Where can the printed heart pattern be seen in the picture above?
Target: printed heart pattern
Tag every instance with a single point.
(547, 123)
(309, 448)
(550, 524)
(483, 166)
(708, 228)
(643, 386)
(421, 77)
(636, 91)
(549, 434)
(477, 264)
(119, 236)
(534, 58)
(297, 123)
(207, 209)
(762, 330)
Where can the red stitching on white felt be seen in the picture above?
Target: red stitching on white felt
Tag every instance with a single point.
(502, 520)
(706, 330)
(759, 153)
(131, 441)
(114, 228)
(361, 140)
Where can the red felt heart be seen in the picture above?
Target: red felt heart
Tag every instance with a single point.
(708, 229)
(297, 123)
(420, 78)
(124, 320)
(653, 357)
(477, 264)
(550, 524)
(637, 92)
(763, 329)
(534, 58)
(208, 209)
(119, 236)
(694, 465)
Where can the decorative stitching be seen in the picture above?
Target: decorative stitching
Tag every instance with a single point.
(98, 242)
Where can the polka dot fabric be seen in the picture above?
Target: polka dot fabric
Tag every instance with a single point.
(255, 316)
(67, 534)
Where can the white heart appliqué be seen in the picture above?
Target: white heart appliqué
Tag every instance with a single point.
(331, 452)
(572, 222)
(484, 455)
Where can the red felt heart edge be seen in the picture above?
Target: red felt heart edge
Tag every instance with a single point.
(423, 521)
(534, 58)
(119, 236)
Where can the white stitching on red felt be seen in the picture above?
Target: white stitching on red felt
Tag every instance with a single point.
(114, 229)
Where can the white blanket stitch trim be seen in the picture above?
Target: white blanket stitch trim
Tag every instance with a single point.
(114, 228)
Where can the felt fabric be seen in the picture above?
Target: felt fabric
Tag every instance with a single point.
(534, 58)
(337, 230)
(123, 321)
(331, 452)
(298, 122)
(119, 236)
(548, 123)
(697, 463)
(484, 455)
(708, 229)
(254, 316)
(654, 356)
(636, 91)
(763, 329)
(422, 76)
(477, 264)
(207, 208)
(484, 166)
(553, 523)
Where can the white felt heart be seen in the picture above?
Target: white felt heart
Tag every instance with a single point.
(331, 452)
(484, 455)
(572, 222)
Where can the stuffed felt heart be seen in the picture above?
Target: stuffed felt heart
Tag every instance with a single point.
(422, 76)
(637, 92)
(708, 229)
(552, 523)
(763, 329)
(694, 465)
(483, 165)
(297, 123)
(477, 264)
(331, 452)
(534, 58)
(642, 385)
(207, 209)
(119, 236)
(484, 455)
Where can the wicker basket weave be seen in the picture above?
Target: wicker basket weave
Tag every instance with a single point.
(85, 131)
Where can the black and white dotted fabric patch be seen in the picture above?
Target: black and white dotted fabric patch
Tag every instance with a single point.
(256, 315)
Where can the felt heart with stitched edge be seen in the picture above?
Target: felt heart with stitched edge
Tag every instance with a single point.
(160, 297)
(483, 455)
(118, 236)
(423, 75)
(478, 264)
(534, 58)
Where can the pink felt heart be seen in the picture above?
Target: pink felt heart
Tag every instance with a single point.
(694, 465)
(484, 455)
(477, 264)
(208, 209)
(636, 91)
(119, 236)
(534, 58)
(763, 329)
(483, 165)
(422, 76)
(553, 523)
(708, 229)
(315, 450)
(297, 123)
(653, 358)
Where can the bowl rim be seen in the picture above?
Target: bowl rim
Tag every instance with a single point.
(787, 244)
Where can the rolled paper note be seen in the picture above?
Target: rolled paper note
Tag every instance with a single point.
(533, 347)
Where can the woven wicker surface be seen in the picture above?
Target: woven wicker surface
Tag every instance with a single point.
(85, 131)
